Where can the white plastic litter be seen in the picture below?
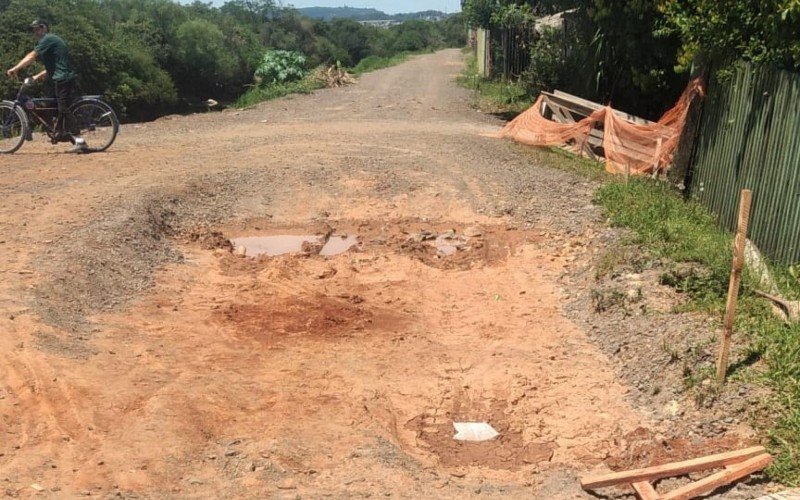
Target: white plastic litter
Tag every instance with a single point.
(474, 431)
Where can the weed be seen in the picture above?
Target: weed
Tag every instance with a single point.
(606, 300)
(671, 351)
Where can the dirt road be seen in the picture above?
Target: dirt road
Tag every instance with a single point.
(142, 357)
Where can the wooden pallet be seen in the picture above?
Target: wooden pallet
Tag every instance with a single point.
(735, 465)
(562, 107)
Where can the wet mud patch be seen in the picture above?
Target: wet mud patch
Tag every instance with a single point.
(509, 451)
(441, 245)
(317, 317)
(446, 247)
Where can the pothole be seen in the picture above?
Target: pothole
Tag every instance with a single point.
(273, 246)
(509, 451)
(441, 245)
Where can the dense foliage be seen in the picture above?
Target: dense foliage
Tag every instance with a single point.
(152, 57)
(605, 51)
(722, 31)
(638, 54)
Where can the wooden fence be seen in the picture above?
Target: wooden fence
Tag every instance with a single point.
(749, 137)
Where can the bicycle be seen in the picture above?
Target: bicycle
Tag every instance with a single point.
(97, 121)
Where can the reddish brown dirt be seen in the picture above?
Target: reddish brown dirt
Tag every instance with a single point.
(143, 359)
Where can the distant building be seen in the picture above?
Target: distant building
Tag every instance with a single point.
(381, 23)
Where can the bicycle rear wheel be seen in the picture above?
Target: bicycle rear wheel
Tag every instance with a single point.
(97, 122)
(13, 125)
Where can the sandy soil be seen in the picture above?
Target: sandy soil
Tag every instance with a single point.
(144, 359)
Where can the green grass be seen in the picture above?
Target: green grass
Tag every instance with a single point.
(373, 63)
(502, 98)
(268, 92)
(684, 232)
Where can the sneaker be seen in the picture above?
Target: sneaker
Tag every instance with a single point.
(80, 146)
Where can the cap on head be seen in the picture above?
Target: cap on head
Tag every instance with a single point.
(39, 23)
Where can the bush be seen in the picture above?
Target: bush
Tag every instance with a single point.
(281, 66)
(547, 63)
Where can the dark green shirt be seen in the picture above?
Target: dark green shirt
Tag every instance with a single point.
(54, 54)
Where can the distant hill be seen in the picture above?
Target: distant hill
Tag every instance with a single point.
(361, 14)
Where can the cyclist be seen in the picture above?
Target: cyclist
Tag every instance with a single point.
(52, 51)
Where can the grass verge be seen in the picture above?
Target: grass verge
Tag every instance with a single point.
(268, 92)
(685, 232)
(374, 63)
(506, 99)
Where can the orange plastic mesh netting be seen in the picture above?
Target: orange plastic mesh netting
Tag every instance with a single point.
(627, 146)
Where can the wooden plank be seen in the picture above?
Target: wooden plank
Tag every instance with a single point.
(559, 114)
(595, 106)
(731, 473)
(671, 469)
(645, 490)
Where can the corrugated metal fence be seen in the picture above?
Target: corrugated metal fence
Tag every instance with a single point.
(750, 138)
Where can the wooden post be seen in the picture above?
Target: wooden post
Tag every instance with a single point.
(658, 158)
(735, 282)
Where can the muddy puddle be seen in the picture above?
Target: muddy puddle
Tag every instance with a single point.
(449, 243)
(273, 246)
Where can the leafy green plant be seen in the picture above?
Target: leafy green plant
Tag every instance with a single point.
(281, 66)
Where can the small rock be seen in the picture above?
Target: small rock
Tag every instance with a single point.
(473, 232)
(194, 481)
(327, 273)
(241, 251)
(37, 487)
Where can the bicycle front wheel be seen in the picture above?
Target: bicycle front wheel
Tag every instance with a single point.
(97, 122)
(13, 125)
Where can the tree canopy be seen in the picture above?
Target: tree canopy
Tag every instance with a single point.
(151, 57)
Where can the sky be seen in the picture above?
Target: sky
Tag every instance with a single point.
(388, 6)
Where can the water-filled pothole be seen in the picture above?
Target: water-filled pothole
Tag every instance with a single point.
(272, 246)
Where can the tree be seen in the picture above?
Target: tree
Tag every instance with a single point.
(202, 58)
(765, 31)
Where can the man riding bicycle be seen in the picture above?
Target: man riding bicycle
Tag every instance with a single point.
(53, 52)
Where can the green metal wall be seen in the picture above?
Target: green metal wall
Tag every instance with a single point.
(750, 138)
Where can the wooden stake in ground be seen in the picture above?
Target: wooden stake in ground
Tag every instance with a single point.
(735, 282)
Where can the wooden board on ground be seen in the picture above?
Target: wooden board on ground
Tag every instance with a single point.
(736, 465)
